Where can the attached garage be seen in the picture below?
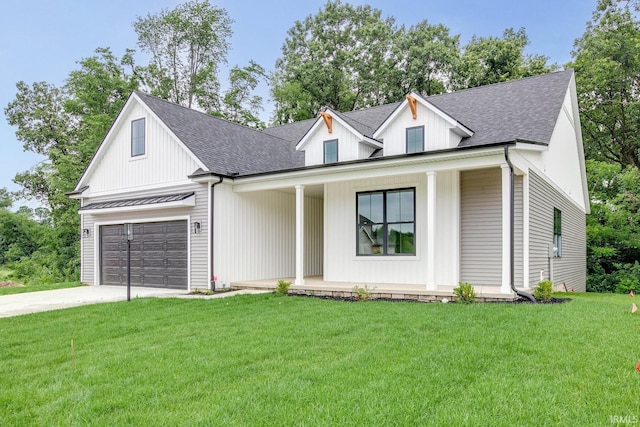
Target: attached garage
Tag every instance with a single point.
(159, 254)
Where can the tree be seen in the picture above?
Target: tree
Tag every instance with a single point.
(426, 55)
(6, 198)
(607, 64)
(238, 105)
(493, 60)
(340, 58)
(187, 45)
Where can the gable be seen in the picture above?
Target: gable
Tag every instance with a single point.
(165, 160)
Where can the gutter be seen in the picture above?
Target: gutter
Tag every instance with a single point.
(211, 232)
(512, 229)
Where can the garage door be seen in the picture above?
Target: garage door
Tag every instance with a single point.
(158, 254)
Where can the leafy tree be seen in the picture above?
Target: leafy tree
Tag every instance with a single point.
(613, 226)
(493, 60)
(6, 198)
(187, 45)
(426, 55)
(607, 65)
(238, 103)
(340, 58)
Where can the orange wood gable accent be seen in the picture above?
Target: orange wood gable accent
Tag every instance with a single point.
(412, 105)
(328, 120)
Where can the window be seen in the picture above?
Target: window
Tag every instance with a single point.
(557, 233)
(386, 222)
(415, 139)
(331, 151)
(137, 137)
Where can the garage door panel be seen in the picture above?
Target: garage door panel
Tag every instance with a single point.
(158, 254)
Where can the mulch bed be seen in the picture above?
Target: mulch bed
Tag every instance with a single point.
(354, 299)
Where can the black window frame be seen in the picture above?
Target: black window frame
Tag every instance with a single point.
(144, 137)
(406, 139)
(557, 233)
(324, 151)
(385, 223)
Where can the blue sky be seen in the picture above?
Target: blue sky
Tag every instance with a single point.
(42, 40)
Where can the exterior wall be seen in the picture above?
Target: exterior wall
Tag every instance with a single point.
(164, 161)
(437, 133)
(571, 268)
(343, 265)
(481, 227)
(198, 242)
(348, 144)
(255, 235)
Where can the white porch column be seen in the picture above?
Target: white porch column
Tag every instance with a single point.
(299, 235)
(505, 287)
(431, 230)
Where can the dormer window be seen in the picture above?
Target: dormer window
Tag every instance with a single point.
(415, 139)
(331, 151)
(137, 138)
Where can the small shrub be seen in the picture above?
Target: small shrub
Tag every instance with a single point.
(544, 290)
(465, 293)
(200, 291)
(362, 294)
(283, 287)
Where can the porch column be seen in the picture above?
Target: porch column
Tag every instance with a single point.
(505, 286)
(431, 230)
(299, 235)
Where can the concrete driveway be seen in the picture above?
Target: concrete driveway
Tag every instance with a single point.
(33, 302)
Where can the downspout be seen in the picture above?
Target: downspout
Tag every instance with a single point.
(512, 229)
(211, 233)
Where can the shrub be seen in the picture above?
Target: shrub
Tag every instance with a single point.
(544, 290)
(283, 287)
(362, 294)
(465, 293)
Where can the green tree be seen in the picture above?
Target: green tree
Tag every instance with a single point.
(340, 58)
(238, 103)
(607, 64)
(493, 60)
(187, 45)
(426, 55)
(6, 198)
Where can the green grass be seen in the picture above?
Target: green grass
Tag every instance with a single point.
(269, 360)
(38, 287)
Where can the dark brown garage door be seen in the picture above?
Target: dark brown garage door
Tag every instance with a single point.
(158, 254)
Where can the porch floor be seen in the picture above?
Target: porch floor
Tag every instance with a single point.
(315, 285)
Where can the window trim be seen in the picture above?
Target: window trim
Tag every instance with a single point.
(557, 233)
(385, 224)
(406, 139)
(324, 151)
(144, 142)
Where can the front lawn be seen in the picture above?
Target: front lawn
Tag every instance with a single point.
(37, 287)
(268, 360)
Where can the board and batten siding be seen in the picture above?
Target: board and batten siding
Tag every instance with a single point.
(349, 146)
(118, 171)
(255, 235)
(198, 242)
(571, 268)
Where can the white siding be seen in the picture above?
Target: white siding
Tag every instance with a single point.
(255, 235)
(437, 133)
(198, 242)
(447, 228)
(164, 161)
(348, 145)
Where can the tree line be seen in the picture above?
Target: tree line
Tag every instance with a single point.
(345, 57)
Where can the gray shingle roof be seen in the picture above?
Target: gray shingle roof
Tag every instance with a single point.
(525, 109)
(224, 147)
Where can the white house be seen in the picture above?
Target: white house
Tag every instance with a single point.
(415, 193)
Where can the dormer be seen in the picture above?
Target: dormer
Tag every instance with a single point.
(417, 125)
(334, 138)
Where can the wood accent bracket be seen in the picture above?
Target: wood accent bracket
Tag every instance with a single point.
(328, 120)
(412, 105)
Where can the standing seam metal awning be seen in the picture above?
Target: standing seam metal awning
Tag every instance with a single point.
(183, 199)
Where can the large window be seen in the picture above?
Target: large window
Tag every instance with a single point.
(386, 222)
(415, 139)
(557, 233)
(137, 138)
(331, 151)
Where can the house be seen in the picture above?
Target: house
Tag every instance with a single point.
(485, 185)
